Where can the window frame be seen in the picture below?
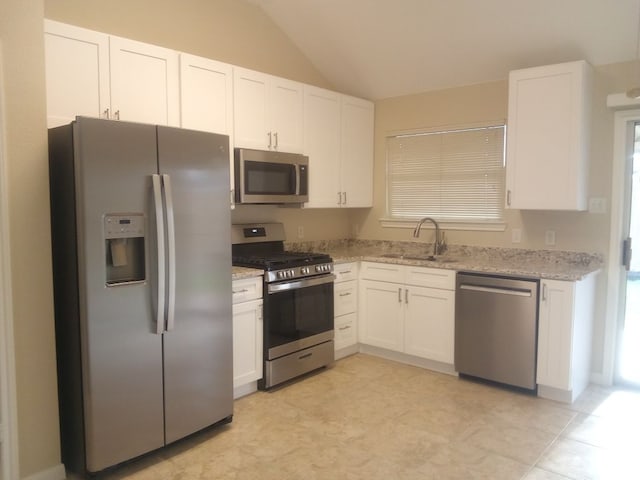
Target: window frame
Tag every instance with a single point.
(473, 225)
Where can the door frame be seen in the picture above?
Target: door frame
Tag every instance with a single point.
(8, 414)
(623, 125)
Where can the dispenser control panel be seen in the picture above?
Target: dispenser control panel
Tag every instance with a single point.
(124, 225)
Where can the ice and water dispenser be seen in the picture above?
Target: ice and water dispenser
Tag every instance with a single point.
(124, 242)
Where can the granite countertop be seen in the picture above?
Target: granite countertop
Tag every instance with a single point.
(546, 264)
(238, 273)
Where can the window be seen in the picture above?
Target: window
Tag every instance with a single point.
(455, 176)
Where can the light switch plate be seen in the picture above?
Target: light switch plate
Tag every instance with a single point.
(597, 205)
(550, 237)
(516, 235)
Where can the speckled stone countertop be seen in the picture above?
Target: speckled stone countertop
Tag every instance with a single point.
(548, 264)
(238, 273)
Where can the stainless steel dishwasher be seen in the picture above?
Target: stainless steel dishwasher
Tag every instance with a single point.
(496, 325)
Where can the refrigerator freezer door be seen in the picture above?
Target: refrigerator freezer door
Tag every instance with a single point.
(121, 352)
(198, 349)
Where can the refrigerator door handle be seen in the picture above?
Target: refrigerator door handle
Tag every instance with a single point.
(171, 247)
(157, 200)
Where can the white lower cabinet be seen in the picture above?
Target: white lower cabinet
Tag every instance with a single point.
(247, 335)
(345, 295)
(565, 326)
(408, 310)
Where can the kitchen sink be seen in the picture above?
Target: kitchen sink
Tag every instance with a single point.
(423, 258)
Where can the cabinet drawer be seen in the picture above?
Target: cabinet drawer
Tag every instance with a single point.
(345, 272)
(431, 277)
(345, 333)
(345, 298)
(384, 272)
(247, 289)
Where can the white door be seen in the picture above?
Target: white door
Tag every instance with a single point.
(247, 342)
(628, 364)
(250, 92)
(429, 323)
(381, 322)
(322, 145)
(144, 82)
(77, 70)
(285, 105)
(206, 98)
(357, 152)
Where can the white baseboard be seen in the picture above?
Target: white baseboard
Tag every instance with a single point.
(600, 379)
(244, 390)
(54, 473)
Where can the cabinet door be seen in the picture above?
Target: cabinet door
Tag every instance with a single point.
(285, 114)
(547, 137)
(206, 94)
(77, 69)
(555, 333)
(250, 92)
(429, 323)
(247, 342)
(144, 82)
(206, 98)
(322, 145)
(356, 153)
(381, 310)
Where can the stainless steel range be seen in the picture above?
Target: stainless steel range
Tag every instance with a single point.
(298, 301)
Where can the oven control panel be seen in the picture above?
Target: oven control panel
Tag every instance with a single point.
(298, 272)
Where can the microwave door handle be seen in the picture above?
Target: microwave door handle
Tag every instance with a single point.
(297, 179)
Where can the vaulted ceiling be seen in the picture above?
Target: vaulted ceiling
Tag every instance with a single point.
(387, 48)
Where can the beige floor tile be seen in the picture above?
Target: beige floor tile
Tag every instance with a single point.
(370, 418)
(578, 460)
(539, 474)
(606, 432)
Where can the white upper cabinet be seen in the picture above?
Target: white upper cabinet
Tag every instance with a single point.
(206, 98)
(94, 74)
(338, 138)
(268, 112)
(322, 145)
(548, 137)
(206, 94)
(356, 152)
(144, 82)
(77, 69)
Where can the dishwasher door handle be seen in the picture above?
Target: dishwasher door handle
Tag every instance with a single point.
(519, 292)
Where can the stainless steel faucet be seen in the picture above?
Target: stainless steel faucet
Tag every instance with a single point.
(438, 244)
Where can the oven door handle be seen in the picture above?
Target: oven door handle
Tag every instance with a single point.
(297, 284)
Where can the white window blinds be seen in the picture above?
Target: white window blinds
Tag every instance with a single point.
(455, 175)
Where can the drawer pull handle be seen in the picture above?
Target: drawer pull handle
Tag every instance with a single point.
(306, 355)
(345, 294)
(346, 327)
(244, 290)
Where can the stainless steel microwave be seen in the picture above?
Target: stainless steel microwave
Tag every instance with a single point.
(270, 177)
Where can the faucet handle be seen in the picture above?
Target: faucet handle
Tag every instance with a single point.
(441, 244)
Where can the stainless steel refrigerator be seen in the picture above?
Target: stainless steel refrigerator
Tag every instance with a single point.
(142, 282)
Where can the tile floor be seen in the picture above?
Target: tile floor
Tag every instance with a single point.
(370, 418)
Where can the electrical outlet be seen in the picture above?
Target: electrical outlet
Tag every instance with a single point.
(550, 237)
(300, 231)
(516, 235)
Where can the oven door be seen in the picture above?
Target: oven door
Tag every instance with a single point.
(298, 314)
